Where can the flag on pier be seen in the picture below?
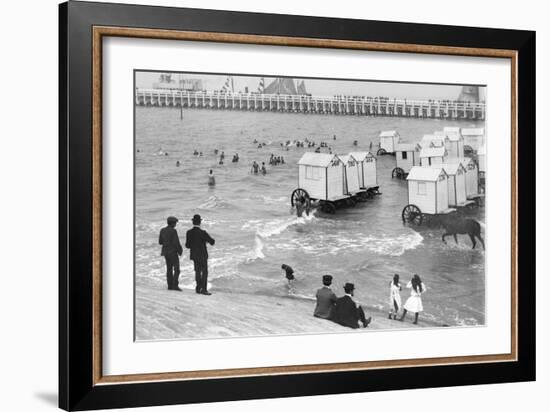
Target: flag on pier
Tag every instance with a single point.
(261, 86)
(228, 86)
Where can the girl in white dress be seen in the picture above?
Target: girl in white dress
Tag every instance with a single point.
(414, 302)
(395, 297)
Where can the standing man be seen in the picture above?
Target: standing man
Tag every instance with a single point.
(171, 250)
(346, 312)
(325, 299)
(196, 240)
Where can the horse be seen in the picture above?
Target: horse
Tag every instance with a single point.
(462, 226)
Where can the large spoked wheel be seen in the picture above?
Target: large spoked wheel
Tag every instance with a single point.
(398, 173)
(381, 152)
(298, 194)
(412, 214)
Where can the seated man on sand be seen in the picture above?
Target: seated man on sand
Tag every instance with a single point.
(346, 312)
(325, 299)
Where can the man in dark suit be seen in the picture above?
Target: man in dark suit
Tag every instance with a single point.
(171, 250)
(325, 299)
(346, 312)
(196, 241)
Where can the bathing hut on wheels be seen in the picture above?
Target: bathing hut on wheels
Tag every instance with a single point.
(455, 145)
(428, 195)
(367, 172)
(407, 155)
(456, 184)
(320, 178)
(431, 156)
(388, 140)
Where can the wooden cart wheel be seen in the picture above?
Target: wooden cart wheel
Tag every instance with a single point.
(351, 202)
(398, 173)
(297, 194)
(381, 152)
(412, 214)
(328, 207)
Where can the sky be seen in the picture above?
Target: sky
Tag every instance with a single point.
(320, 87)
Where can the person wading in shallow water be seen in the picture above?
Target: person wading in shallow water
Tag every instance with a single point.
(196, 240)
(171, 250)
(211, 179)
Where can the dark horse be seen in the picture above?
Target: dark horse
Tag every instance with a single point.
(462, 226)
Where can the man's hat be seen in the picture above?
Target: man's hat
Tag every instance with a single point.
(172, 219)
(197, 219)
(348, 287)
(327, 279)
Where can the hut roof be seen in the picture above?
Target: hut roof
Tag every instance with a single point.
(317, 159)
(360, 156)
(450, 168)
(407, 147)
(389, 133)
(428, 174)
(473, 131)
(432, 152)
(434, 139)
(346, 158)
(452, 130)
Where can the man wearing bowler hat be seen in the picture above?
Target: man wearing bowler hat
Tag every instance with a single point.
(196, 241)
(325, 299)
(346, 312)
(171, 250)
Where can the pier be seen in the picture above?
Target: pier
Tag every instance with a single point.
(305, 103)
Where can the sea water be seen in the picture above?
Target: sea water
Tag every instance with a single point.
(249, 215)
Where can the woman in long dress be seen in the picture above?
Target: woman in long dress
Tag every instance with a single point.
(414, 302)
(395, 297)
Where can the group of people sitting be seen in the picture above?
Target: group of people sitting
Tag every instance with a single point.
(343, 310)
(346, 312)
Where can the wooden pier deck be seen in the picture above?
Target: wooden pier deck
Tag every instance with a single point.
(334, 105)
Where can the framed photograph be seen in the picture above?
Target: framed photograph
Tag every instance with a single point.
(256, 206)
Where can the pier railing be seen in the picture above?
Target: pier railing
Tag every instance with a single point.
(337, 105)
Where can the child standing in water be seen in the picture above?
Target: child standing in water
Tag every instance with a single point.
(211, 179)
(289, 274)
(395, 297)
(414, 302)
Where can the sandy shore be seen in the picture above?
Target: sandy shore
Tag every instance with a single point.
(164, 314)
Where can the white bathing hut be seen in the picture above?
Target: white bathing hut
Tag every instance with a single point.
(431, 156)
(455, 146)
(388, 140)
(366, 169)
(351, 174)
(456, 183)
(428, 189)
(322, 176)
(474, 137)
(407, 155)
(472, 177)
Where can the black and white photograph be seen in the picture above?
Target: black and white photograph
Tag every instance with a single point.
(273, 205)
